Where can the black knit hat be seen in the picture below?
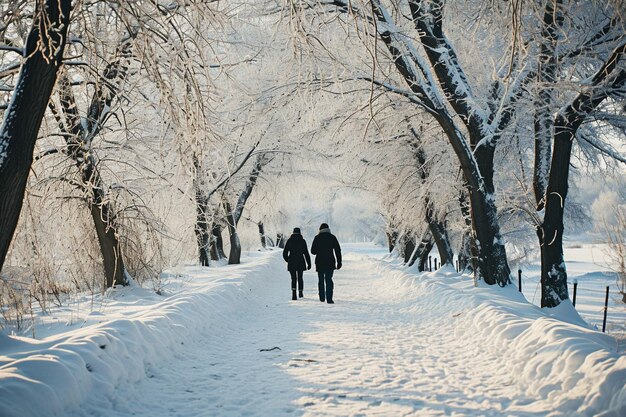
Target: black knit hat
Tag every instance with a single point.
(296, 230)
(323, 226)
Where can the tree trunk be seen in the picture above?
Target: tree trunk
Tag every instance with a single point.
(43, 52)
(543, 120)
(215, 256)
(439, 232)
(109, 246)
(420, 255)
(233, 216)
(234, 256)
(437, 227)
(426, 247)
(469, 252)
(217, 243)
(550, 233)
(262, 235)
(203, 246)
(78, 141)
(260, 162)
(408, 248)
(103, 218)
(203, 236)
(392, 237)
(491, 264)
(79, 137)
(280, 240)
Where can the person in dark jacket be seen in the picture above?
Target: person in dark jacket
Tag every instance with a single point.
(296, 254)
(326, 247)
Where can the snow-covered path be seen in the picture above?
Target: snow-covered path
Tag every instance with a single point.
(229, 341)
(382, 349)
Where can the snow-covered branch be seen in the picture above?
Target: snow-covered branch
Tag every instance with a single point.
(601, 146)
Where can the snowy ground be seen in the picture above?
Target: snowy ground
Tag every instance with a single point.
(229, 341)
(588, 264)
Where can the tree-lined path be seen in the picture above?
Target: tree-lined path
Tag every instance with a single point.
(385, 348)
(154, 155)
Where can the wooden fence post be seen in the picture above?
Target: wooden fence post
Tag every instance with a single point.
(606, 307)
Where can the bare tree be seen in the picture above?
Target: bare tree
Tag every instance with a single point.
(234, 215)
(609, 79)
(439, 86)
(79, 135)
(560, 56)
(436, 226)
(43, 54)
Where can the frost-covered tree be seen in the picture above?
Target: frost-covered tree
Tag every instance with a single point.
(438, 84)
(106, 142)
(572, 99)
(482, 104)
(608, 80)
(79, 132)
(42, 53)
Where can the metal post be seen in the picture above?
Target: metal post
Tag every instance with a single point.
(430, 266)
(575, 288)
(435, 262)
(519, 280)
(606, 307)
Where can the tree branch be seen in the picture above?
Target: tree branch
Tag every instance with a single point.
(233, 173)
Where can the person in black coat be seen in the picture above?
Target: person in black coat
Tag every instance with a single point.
(326, 247)
(296, 254)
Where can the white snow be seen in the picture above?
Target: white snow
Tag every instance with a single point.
(590, 266)
(229, 341)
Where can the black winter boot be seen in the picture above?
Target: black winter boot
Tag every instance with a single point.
(300, 294)
(293, 295)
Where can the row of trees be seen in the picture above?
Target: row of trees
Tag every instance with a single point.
(111, 141)
(136, 134)
(555, 65)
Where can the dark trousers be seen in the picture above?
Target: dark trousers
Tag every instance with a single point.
(297, 276)
(325, 279)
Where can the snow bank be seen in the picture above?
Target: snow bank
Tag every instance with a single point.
(58, 373)
(575, 370)
(555, 360)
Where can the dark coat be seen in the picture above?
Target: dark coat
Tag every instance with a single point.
(296, 253)
(323, 246)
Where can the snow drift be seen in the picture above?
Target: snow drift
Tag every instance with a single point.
(559, 364)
